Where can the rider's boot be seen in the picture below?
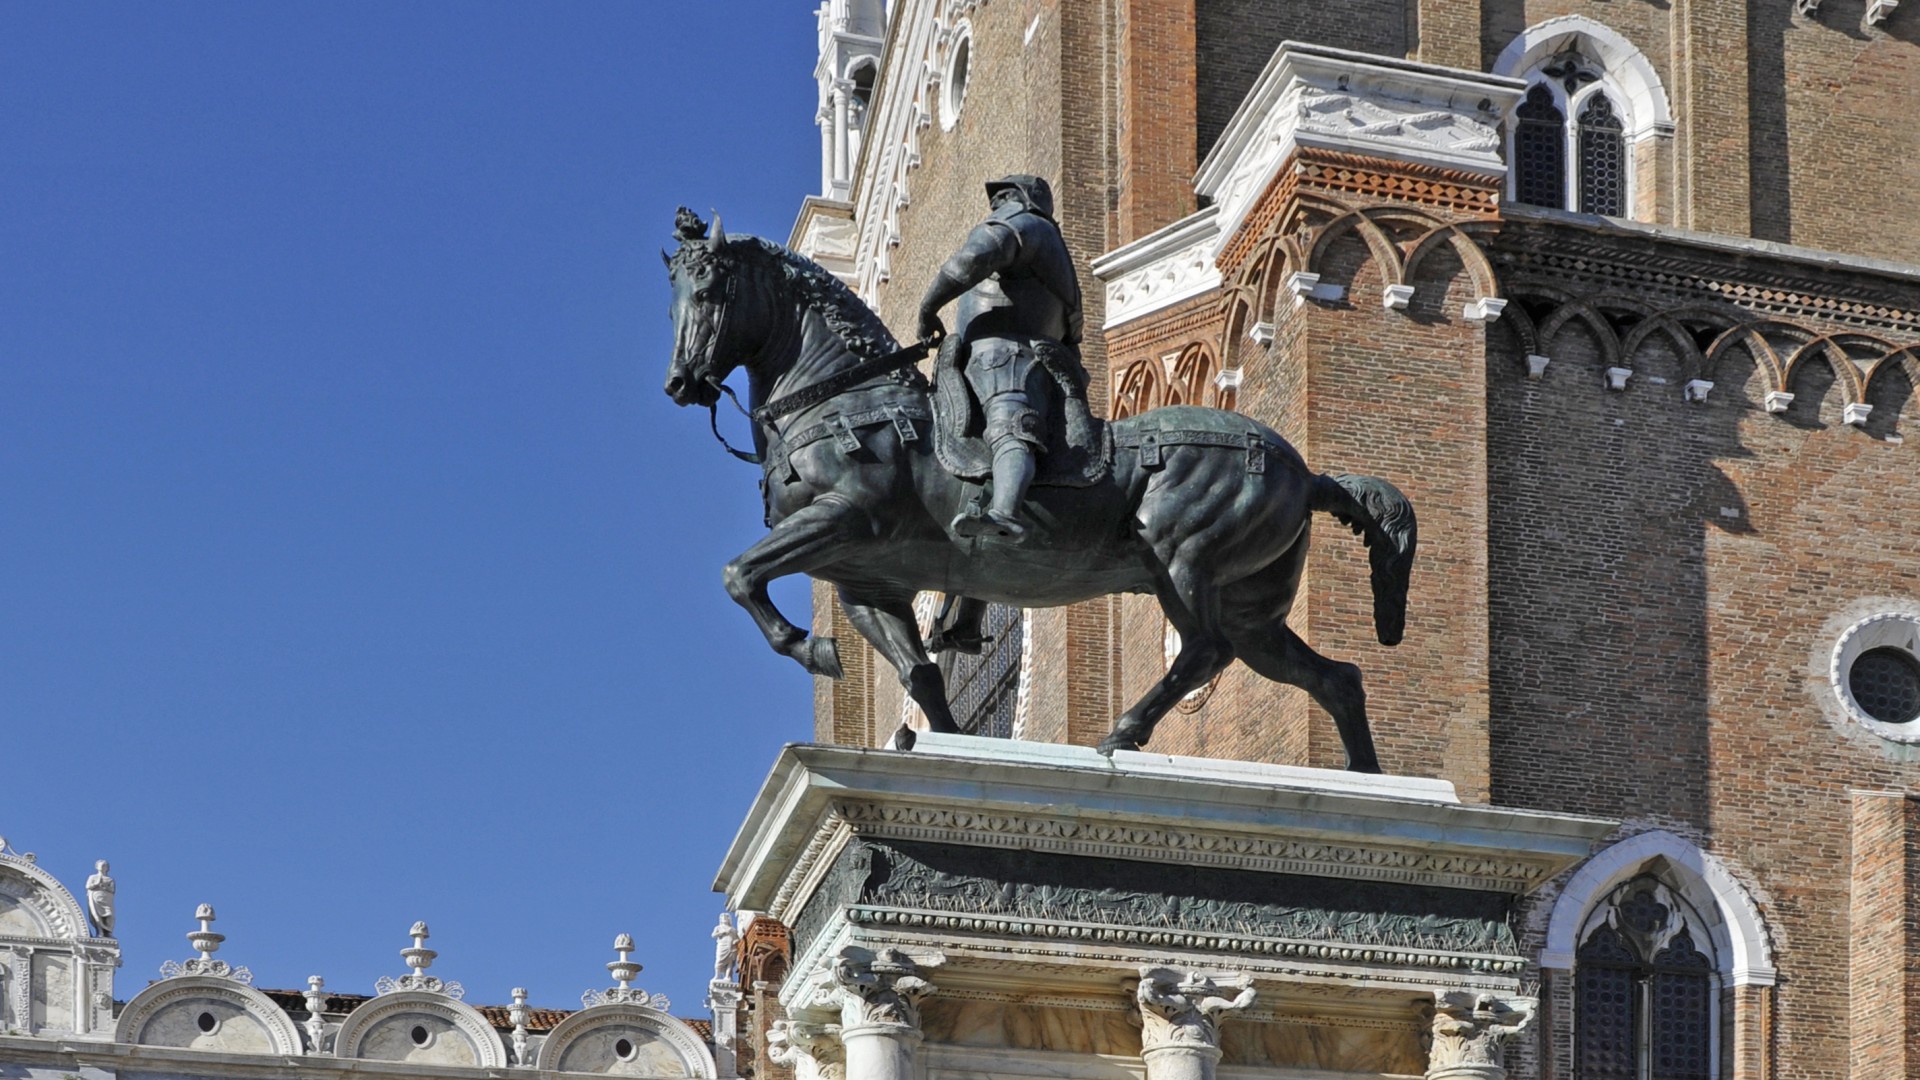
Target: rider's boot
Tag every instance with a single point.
(1012, 472)
(960, 626)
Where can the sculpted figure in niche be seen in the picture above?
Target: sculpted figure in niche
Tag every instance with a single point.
(100, 899)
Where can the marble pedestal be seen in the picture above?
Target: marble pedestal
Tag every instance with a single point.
(1180, 918)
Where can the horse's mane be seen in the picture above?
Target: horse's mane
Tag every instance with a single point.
(844, 313)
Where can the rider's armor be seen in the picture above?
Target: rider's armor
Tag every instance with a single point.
(1019, 298)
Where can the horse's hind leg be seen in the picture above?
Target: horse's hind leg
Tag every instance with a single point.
(889, 624)
(1276, 652)
(1191, 599)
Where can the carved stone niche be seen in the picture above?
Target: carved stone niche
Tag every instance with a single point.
(1031, 882)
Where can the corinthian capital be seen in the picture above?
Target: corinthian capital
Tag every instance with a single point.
(882, 987)
(1470, 1031)
(1184, 1008)
(808, 1048)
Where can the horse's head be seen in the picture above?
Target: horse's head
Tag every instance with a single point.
(706, 340)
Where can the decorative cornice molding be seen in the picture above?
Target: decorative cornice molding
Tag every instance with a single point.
(1071, 836)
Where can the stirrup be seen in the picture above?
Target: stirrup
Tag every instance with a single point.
(990, 525)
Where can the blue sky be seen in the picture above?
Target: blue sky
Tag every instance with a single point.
(353, 567)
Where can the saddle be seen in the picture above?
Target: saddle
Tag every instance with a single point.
(1079, 444)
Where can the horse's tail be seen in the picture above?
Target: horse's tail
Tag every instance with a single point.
(1379, 514)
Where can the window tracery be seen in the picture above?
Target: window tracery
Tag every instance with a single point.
(1644, 988)
(1592, 99)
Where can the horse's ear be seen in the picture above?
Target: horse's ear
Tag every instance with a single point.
(666, 258)
(719, 235)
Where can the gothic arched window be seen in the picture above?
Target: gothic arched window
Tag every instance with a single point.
(1540, 151)
(1603, 158)
(1580, 165)
(1644, 989)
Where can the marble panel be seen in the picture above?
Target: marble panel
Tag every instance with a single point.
(1323, 1046)
(1025, 1026)
(228, 1027)
(394, 1039)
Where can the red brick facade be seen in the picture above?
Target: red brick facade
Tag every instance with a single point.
(1626, 599)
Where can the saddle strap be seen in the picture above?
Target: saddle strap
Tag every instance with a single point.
(837, 384)
(1150, 445)
(843, 428)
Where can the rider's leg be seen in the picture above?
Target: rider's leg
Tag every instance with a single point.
(959, 626)
(1013, 433)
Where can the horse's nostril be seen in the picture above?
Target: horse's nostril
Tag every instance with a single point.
(674, 386)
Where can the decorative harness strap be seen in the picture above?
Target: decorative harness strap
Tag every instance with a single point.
(824, 390)
(1151, 444)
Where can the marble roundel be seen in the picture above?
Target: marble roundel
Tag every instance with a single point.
(420, 1028)
(197, 1012)
(626, 1040)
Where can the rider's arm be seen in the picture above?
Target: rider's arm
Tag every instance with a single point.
(992, 246)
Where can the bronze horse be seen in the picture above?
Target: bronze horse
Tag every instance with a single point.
(1205, 509)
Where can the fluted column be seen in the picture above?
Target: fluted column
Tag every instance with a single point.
(1180, 1014)
(879, 1011)
(1470, 1033)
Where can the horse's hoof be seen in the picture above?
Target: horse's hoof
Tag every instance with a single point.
(820, 656)
(904, 738)
(1369, 767)
(942, 641)
(1118, 740)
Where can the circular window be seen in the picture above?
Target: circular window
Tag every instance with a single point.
(1886, 683)
(1876, 672)
(206, 1022)
(623, 1049)
(418, 1035)
(953, 92)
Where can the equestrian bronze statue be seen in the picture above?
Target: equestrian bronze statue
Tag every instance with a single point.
(869, 486)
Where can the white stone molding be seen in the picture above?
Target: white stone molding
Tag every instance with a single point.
(1739, 934)
(39, 896)
(419, 958)
(1641, 97)
(316, 1022)
(589, 1041)
(1808, 8)
(812, 1050)
(1617, 378)
(1856, 413)
(1309, 95)
(1470, 1031)
(1883, 630)
(1486, 309)
(723, 1009)
(207, 1012)
(881, 988)
(1183, 1009)
(1306, 286)
(1779, 401)
(1023, 694)
(1396, 297)
(1261, 333)
(1162, 268)
(1537, 366)
(1228, 379)
(1878, 11)
(1696, 390)
(382, 1030)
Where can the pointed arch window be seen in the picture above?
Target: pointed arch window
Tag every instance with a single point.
(1583, 164)
(1644, 989)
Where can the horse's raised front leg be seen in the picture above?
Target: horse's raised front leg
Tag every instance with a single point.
(812, 537)
(1191, 599)
(889, 624)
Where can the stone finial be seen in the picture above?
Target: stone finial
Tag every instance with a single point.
(1470, 1031)
(316, 1022)
(1184, 1008)
(204, 939)
(883, 988)
(808, 1048)
(419, 958)
(206, 942)
(623, 967)
(519, 1015)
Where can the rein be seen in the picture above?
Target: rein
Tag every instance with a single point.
(824, 390)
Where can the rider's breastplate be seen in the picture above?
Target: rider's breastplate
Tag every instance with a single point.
(1033, 298)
